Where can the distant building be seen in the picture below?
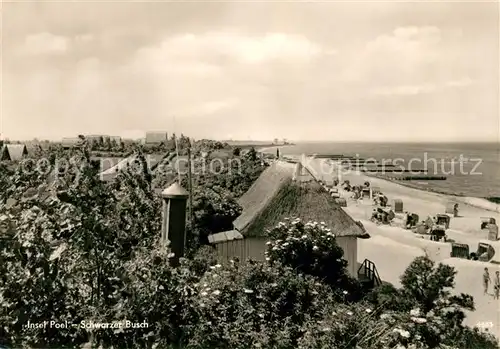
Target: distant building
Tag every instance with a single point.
(94, 139)
(286, 190)
(115, 139)
(71, 142)
(13, 152)
(156, 137)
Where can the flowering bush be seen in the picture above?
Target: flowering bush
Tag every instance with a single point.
(255, 305)
(311, 249)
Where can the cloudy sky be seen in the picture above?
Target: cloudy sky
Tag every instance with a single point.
(341, 71)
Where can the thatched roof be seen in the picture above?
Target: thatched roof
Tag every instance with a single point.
(276, 195)
(262, 192)
(13, 152)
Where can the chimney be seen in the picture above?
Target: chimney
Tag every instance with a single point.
(173, 227)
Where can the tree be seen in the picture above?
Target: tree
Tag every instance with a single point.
(236, 151)
(107, 144)
(430, 286)
(214, 211)
(252, 154)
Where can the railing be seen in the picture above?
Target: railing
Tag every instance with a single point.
(369, 270)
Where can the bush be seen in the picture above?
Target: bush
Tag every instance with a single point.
(312, 249)
(255, 305)
(91, 253)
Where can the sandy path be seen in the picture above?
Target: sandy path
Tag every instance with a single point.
(392, 248)
(396, 256)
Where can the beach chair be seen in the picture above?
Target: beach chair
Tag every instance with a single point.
(487, 251)
(438, 232)
(487, 220)
(398, 205)
(375, 191)
(411, 220)
(459, 250)
(443, 219)
(492, 232)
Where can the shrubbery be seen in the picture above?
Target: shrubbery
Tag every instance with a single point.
(311, 249)
(91, 253)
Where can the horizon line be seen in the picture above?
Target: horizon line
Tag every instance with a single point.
(297, 141)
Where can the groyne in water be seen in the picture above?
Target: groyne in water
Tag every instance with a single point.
(386, 170)
(419, 178)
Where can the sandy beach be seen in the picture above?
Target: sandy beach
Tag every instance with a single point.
(392, 248)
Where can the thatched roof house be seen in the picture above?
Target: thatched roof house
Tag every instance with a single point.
(287, 190)
(13, 152)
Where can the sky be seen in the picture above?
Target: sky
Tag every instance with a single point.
(336, 71)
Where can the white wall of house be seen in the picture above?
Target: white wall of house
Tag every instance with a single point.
(350, 246)
(244, 249)
(254, 248)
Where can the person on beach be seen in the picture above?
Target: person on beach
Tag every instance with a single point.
(486, 280)
(496, 285)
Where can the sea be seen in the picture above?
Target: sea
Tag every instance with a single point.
(471, 169)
